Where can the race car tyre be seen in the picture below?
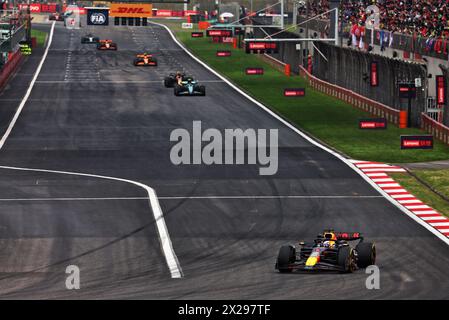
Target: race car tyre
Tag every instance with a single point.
(176, 90)
(203, 90)
(366, 254)
(155, 61)
(345, 259)
(167, 82)
(287, 255)
(135, 62)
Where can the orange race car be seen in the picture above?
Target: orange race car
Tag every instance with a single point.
(106, 45)
(145, 59)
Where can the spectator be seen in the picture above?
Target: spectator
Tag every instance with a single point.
(426, 18)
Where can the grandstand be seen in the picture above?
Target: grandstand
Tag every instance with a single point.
(426, 19)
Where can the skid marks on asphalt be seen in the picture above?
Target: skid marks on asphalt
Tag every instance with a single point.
(81, 65)
(148, 40)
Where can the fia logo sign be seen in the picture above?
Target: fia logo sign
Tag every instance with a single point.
(97, 18)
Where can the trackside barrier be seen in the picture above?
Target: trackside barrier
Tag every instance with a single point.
(438, 130)
(275, 63)
(375, 108)
(9, 68)
(403, 119)
(287, 70)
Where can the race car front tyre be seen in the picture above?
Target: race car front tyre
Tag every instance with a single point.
(366, 254)
(345, 259)
(176, 90)
(167, 82)
(286, 256)
(203, 90)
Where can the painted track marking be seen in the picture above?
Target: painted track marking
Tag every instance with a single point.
(348, 162)
(186, 197)
(164, 238)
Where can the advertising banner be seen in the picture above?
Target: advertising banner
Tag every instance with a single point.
(131, 10)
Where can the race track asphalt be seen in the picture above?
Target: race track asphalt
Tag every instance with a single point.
(94, 112)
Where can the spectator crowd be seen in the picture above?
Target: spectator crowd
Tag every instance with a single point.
(426, 18)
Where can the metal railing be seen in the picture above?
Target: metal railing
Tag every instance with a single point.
(438, 130)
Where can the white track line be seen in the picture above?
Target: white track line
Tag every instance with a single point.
(309, 139)
(185, 197)
(112, 81)
(30, 88)
(166, 244)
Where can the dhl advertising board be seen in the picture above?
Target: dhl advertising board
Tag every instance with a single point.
(131, 10)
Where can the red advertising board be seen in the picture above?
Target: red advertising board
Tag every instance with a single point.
(374, 80)
(190, 12)
(417, 142)
(261, 47)
(295, 92)
(164, 13)
(80, 10)
(224, 53)
(35, 8)
(375, 123)
(254, 71)
(441, 90)
(219, 33)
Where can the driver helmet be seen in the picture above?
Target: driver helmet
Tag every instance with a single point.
(330, 239)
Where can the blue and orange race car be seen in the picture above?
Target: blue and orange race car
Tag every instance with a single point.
(330, 251)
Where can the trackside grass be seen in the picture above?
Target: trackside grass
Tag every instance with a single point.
(437, 179)
(332, 121)
(40, 36)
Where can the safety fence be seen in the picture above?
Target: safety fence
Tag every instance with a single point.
(438, 130)
(351, 97)
(275, 63)
(375, 108)
(9, 68)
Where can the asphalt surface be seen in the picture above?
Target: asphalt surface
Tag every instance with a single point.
(94, 112)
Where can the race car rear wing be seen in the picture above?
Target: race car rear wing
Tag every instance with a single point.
(348, 236)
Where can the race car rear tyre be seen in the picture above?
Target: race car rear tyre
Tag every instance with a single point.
(345, 259)
(203, 90)
(135, 62)
(286, 256)
(366, 254)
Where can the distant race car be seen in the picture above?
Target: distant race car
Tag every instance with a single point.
(56, 17)
(330, 251)
(189, 87)
(106, 45)
(90, 39)
(170, 81)
(145, 59)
